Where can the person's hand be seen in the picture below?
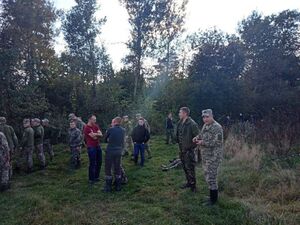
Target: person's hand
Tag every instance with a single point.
(100, 133)
(199, 142)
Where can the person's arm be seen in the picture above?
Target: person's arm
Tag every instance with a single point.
(216, 139)
(107, 135)
(77, 138)
(133, 135)
(15, 138)
(147, 135)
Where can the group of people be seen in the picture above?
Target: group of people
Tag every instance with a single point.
(36, 136)
(122, 137)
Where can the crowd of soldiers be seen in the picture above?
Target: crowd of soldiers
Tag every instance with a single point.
(124, 137)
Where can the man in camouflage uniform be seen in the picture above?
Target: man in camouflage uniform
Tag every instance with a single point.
(75, 141)
(210, 141)
(4, 163)
(79, 123)
(12, 140)
(26, 146)
(127, 125)
(186, 130)
(38, 141)
(147, 126)
(48, 133)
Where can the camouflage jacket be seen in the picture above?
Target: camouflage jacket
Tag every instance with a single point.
(74, 137)
(38, 135)
(185, 132)
(4, 150)
(27, 138)
(212, 136)
(10, 135)
(128, 128)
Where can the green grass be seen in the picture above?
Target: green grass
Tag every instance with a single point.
(60, 195)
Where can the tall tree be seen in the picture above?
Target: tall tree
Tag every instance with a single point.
(145, 19)
(26, 52)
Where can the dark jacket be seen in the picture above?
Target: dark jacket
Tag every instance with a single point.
(75, 137)
(115, 137)
(27, 138)
(169, 124)
(38, 135)
(185, 132)
(140, 134)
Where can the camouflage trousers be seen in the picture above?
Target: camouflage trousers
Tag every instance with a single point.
(210, 165)
(27, 155)
(75, 155)
(40, 154)
(12, 156)
(128, 145)
(188, 164)
(4, 170)
(48, 148)
(147, 149)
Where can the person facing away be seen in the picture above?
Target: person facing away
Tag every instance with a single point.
(4, 163)
(48, 133)
(75, 140)
(186, 130)
(140, 136)
(169, 129)
(92, 134)
(38, 141)
(210, 141)
(115, 137)
(26, 146)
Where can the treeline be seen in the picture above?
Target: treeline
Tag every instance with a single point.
(254, 74)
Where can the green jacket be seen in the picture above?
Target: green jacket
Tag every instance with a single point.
(128, 128)
(185, 132)
(27, 138)
(38, 135)
(10, 135)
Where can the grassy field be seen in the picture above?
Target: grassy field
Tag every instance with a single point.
(60, 195)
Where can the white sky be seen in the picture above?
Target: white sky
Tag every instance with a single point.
(201, 14)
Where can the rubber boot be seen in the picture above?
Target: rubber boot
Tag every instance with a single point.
(213, 198)
(107, 186)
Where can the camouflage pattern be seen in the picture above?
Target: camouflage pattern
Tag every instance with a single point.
(75, 155)
(185, 132)
(4, 160)
(38, 142)
(12, 140)
(211, 152)
(128, 140)
(40, 154)
(27, 138)
(26, 154)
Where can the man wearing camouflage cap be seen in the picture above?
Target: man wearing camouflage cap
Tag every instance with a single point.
(4, 163)
(127, 125)
(79, 123)
(27, 146)
(38, 141)
(12, 140)
(210, 141)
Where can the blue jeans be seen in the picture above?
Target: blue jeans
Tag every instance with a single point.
(139, 148)
(95, 157)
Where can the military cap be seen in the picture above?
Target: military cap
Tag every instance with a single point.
(37, 120)
(71, 116)
(207, 112)
(138, 115)
(2, 120)
(45, 121)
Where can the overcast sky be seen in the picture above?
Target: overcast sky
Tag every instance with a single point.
(201, 14)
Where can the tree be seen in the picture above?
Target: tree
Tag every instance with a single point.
(26, 53)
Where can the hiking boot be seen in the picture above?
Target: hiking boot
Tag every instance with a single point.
(193, 188)
(118, 184)
(213, 198)
(184, 186)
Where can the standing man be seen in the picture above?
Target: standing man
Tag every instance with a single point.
(12, 141)
(140, 137)
(27, 146)
(4, 163)
(38, 141)
(210, 141)
(147, 126)
(92, 134)
(187, 129)
(115, 137)
(48, 134)
(75, 141)
(169, 129)
(127, 125)
(79, 123)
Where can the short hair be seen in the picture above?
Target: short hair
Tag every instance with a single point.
(72, 121)
(117, 120)
(91, 115)
(186, 110)
(141, 118)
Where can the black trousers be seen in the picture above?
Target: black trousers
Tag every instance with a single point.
(113, 161)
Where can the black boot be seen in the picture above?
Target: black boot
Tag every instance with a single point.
(135, 160)
(118, 184)
(213, 198)
(29, 170)
(108, 184)
(184, 186)
(193, 188)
